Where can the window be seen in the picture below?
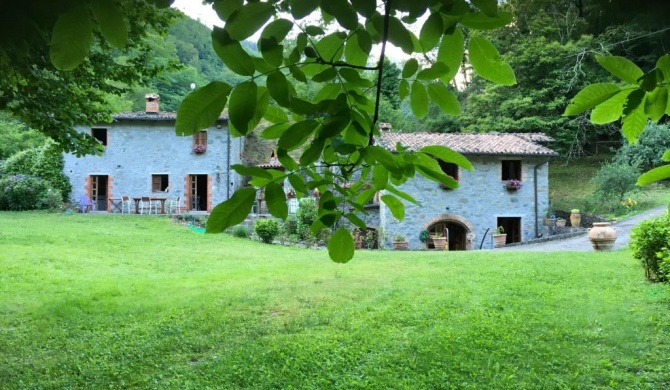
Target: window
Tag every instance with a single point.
(159, 183)
(200, 138)
(450, 169)
(511, 169)
(100, 135)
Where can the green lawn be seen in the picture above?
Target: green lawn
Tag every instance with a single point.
(104, 301)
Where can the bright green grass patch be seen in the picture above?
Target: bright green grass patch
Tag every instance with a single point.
(103, 301)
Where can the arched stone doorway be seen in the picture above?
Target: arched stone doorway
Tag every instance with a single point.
(460, 231)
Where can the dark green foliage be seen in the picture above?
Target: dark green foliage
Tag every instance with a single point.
(650, 244)
(45, 162)
(647, 152)
(267, 229)
(240, 232)
(306, 215)
(15, 136)
(614, 180)
(23, 192)
(291, 225)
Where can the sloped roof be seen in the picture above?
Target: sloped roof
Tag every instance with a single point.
(152, 116)
(273, 163)
(519, 144)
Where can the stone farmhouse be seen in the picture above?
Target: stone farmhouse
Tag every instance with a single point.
(144, 157)
(469, 214)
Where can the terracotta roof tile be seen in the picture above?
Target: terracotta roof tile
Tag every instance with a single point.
(521, 144)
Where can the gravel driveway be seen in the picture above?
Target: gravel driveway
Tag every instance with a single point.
(582, 243)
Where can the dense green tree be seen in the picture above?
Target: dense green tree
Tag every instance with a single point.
(16, 136)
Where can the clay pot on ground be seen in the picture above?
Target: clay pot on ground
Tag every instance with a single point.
(499, 240)
(560, 223)
(548, 222)
(440, 243)
(400, 245)
(575, 219)
(602, 236)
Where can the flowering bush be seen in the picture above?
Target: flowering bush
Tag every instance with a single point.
(513, 184)
(199, 148)
(25, 192)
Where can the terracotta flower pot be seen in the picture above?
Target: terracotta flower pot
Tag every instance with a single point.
(499, 240)
(602, 236)
(400, 245)
(440, 243)
(560, 223)
(575, 219)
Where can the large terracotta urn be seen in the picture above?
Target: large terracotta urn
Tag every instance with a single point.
(440, 243)
(575, 218)
(602, 236)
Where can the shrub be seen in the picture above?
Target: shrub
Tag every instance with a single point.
(267, 229)
(306, 215)
(650, 243)
(23, 192)
(291, 225)
(240, 232)
(614, 180)
(647, 152)
(45, 162)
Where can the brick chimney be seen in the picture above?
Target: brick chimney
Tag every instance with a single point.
(384, 126)
(152, 100)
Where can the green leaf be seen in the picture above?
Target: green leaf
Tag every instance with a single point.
(656, 103)
(380, 177)
(401, 194)
(419, 100)
(297, 134)
(403, 89)
(666, 155)
(443, 98)
(431, 31)
(486, 61)
(355, 220)
(343, 12)
(278, 87)
(357, 49)
(437, 176)
(366, 8)
(286, 160)
(663, 65)
(590, 97)
(313, 152)
(275, 198)
(621, 67)
(231, 53)
(400, 36)
(232, 211)
(302, 8)
(225, 8)
(634, 120)
(396, 207)
(248, 19)
(480, 21)
(274, 131)
(609, 110)
(242, 107)
(436, 71)
(112, 24)
(330, 47)
(275, 115)
(384, 157)
(243, 170)
(447, 155)
(298, 183)
(410, 68)
(489, 7)
(269, 42)
(341, 245)
(654, 175)
(451, 53)
(71, 38)
(354, 78)
(326, 75)
(201, 108)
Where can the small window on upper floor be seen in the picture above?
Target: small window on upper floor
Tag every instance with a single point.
(159, 183)
(100, 135)
(511, 169)
(200, 138)
(450, 169)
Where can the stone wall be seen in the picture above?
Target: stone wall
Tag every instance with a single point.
(138, 149)
(476, 204)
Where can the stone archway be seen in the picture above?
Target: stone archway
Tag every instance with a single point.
(461, 236)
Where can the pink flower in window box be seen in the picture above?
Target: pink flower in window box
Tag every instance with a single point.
(199, 148)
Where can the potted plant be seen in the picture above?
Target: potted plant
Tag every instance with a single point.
(399, 242)
(424, 236)
(548, 220)
(499, 237)
(560, 222)
(199, 148)
(513, 184)
(575, 218)
(290, 193)
(358, 238)
(439, 241)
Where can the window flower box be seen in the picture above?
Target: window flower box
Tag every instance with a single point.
(513, 184)
(199, 148)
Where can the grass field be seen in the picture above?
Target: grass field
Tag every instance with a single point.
(108, 301)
